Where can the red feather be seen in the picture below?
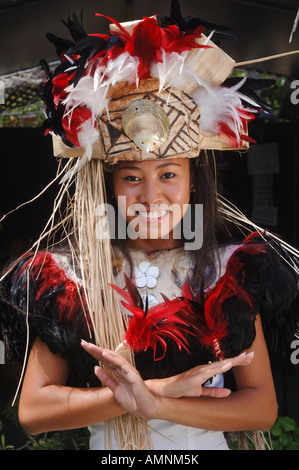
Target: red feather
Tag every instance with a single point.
(174, 40)
(60, 83)
(51, 278)
(146, 44)
(120, 27)
(149, 327)
(207, 316)
(228, 129)
(72, 127)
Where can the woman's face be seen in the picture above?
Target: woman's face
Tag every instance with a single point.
(152, 196)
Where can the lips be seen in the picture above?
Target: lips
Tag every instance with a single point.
(153, 215)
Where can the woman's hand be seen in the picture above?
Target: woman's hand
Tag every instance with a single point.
(189, 383)
(142, 398)
(127, 386)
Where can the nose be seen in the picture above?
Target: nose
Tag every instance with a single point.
(150, 191)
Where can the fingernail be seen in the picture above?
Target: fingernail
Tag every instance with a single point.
(242, 354)
(251, 354)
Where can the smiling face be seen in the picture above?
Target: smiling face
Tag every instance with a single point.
(152, 195)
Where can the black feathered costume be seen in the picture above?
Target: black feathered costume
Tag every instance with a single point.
(257, 280)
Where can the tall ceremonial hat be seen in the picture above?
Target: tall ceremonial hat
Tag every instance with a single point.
(146, 89)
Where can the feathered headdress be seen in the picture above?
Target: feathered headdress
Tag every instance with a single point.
(146, 90)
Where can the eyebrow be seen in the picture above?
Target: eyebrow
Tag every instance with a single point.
(133, 167)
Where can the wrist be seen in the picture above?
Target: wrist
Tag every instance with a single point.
(155, 411)
(158, 387)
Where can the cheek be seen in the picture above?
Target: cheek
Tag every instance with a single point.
(125, 196)
(180, 193)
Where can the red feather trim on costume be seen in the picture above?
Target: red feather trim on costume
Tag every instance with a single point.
(60, 83)
(208, 321)
(50, 278)
(235, 138)
(207, 316)
(150, 326)
(145, 44)
(231, 285)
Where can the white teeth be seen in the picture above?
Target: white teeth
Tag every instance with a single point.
(153, 215)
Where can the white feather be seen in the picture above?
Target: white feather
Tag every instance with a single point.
(91, 90)
(87, 136)
(166, 70)
(80, 95)
(222, 106)
(177, 71)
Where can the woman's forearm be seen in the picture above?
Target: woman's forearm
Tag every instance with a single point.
(252, 407)
(58, 407)
(47, 404)
(242, 410)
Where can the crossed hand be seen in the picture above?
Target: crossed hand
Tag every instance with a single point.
(142, 398)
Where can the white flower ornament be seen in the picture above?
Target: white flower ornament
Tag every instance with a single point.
(146, 275)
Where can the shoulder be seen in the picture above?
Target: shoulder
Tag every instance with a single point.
(37, 278)
(263, 281)
(42, 295)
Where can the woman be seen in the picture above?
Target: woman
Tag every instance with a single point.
(46, 404)
(187, 315)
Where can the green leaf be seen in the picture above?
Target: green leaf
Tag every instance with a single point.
(288, 424)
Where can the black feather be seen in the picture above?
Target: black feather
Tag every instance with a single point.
(266, 275)
(249, 89)
(61, 335)
(75, 27)
(61, 45)
(190, 23)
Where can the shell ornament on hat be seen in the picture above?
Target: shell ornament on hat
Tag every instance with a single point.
(147, 89)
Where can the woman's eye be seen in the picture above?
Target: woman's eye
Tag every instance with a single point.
(168, 175)
(131, 178)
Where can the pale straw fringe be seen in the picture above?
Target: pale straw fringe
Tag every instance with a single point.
(233, 214)
(95, 258)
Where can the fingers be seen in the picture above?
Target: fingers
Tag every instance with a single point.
(101, 354)
(114, 361)
(215, 392)
(120, 366)
(105, 378)
(92, 349)
(243, 359)
(220, 367)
